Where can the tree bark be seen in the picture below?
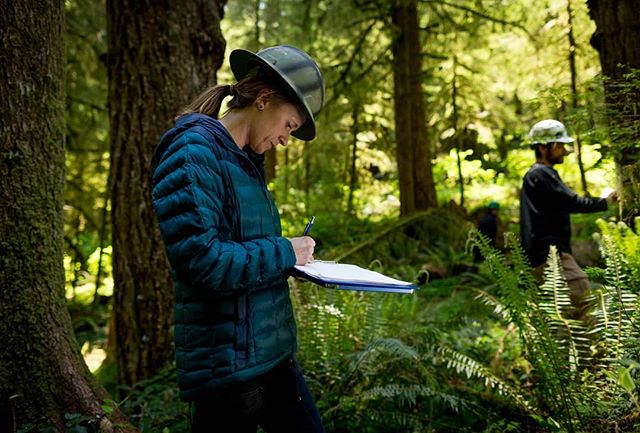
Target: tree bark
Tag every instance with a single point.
(577, 145)
(617, 39)
(42, 374)
(160, 55)
(270, 156)
(417, 189)
(456, 136)
(353, 172)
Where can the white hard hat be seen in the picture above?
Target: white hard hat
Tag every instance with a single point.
(549, 131)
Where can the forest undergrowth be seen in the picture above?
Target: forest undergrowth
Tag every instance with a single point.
(478, 348)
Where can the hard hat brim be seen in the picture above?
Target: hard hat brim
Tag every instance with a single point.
(242, 61)
(564, 140)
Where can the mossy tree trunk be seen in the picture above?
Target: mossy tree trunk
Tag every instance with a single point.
(42, 373)
(161, 54)
(617, 39)
(417, 190)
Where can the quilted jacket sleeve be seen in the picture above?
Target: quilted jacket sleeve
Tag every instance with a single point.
(187, 197)
(564, 198)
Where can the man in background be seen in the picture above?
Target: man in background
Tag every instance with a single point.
(488, 226)
(545, 207)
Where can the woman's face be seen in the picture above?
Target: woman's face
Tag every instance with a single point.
(273, 125)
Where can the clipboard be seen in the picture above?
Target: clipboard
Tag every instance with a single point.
(350, 277)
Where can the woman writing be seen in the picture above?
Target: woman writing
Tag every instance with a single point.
(235, 333)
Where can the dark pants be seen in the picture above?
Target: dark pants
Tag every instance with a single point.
(279, 402)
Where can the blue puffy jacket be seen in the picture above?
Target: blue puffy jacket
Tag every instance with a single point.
(221, 229)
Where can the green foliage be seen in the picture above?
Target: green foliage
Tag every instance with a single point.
(86, 229)
(580, 374)
(519, 300)
(472, 369)
(364, 376)
(555, 304)
(621, 246)
(378, 362)
(388, 362)
(153, 405)
(73, 423)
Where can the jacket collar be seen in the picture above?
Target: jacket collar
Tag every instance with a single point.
(211, 125)
(216, 129)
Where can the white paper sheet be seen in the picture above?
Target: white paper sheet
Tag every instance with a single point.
(348, 274)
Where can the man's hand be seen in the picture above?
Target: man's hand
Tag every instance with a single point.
(303, 248)
(612, 198)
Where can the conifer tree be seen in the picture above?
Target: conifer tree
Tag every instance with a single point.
(161, 54)
(617, 39)
(42, 374)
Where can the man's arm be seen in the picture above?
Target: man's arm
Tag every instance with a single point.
(565, 197)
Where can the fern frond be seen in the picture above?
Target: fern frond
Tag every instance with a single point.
(616, 312)
(494, 303)
(555, 303)
(374, 321)
(628, 242)
(391, 347)
(408, 395)
(471, 368)
(515, 281)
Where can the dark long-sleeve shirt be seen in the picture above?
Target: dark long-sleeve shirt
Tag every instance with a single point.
(545, 205)
(488, 226)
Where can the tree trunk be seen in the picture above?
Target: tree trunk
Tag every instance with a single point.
(160, 55)
(456, 136)
(417, 190)
(353, 172)
(42, 374)
(577, 145)
(617, 39)
(270, 156)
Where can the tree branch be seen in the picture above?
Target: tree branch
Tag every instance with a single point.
(484, 16)
(355, 79)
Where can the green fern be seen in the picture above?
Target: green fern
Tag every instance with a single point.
(519, 299)
(628, 243)
(408, 395)
(472, 369)
(555, 303)
(616, 312)
(387, 376)
(494, 303)
(554, 342)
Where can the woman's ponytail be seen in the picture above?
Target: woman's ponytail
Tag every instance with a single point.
(243, 93)
(208, 102)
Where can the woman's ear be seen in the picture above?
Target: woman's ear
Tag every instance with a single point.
(263, 98)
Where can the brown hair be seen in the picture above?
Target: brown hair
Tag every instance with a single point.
(243, 94)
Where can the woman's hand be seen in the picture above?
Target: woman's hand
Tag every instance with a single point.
(303, 248)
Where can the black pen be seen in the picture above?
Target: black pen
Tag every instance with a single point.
(307, 229)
